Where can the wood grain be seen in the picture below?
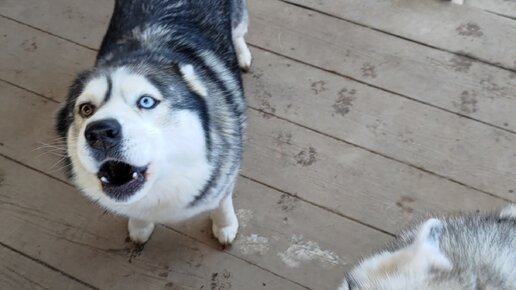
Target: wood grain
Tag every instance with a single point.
(506, 8)
(440, 24)
(49, 221)
(21, 273)
(418, 72)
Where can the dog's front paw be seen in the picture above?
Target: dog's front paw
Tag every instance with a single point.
(225, 234)
(243, 54)
(140, 231)
(244, 60)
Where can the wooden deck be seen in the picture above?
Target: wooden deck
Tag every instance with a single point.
(363, 115)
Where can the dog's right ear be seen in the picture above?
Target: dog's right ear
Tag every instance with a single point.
(509, 212)
(426, 250)
(64, 116)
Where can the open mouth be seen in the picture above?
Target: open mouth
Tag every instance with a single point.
(120, 180)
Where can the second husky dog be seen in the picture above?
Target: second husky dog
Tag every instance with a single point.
(155, 130)
(451, 253)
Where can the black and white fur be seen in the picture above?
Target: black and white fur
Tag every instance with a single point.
(467, 252)
(155, 130)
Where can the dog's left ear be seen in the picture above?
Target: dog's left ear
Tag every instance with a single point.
(193, 81)
(426, 250)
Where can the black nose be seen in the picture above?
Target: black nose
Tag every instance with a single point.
(103, 134)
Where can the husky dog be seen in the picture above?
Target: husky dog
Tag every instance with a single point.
(155, 130)
(451, 253)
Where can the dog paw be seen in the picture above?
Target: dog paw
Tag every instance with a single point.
(244, 60)
(243, 55)
(226, 234)
(140, 231)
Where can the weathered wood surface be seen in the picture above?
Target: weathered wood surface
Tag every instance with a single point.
(501, 7)
(431, 76)
(330, 164)
(39, 62)
(48, 221)
(68, 19)
(437, 23)
(22, 273)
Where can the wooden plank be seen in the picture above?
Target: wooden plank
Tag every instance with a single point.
(396, 127)
(431, 76)
(33, 60)
(349, 180)
(437, 23)
(441, 79)
(82, 21)
(320, 169)
(20, 273)
(506, 8)
(39, 142)
(47, 220)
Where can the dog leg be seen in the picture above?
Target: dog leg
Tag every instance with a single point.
(140, 230)
(225, 222)
(243, 54)
(240, 23)
(460, 2)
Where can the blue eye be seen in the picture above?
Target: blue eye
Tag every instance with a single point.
(147, 102)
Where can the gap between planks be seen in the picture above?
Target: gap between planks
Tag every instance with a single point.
(493, 64)
(41, 263)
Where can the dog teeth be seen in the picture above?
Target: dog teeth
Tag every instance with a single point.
(104, 179)
(135, 175)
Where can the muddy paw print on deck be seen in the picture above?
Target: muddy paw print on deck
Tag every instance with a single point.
(405, 204)
(220, 280)
(344, 102)
(287, 202)
(266, 109)
(461, 63)
(470, 29)
(283, 138)
(318, 87)
(468, 102)
(29, 45)
(368, 70)
(306, 157)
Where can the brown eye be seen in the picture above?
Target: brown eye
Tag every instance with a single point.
(86, 110)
